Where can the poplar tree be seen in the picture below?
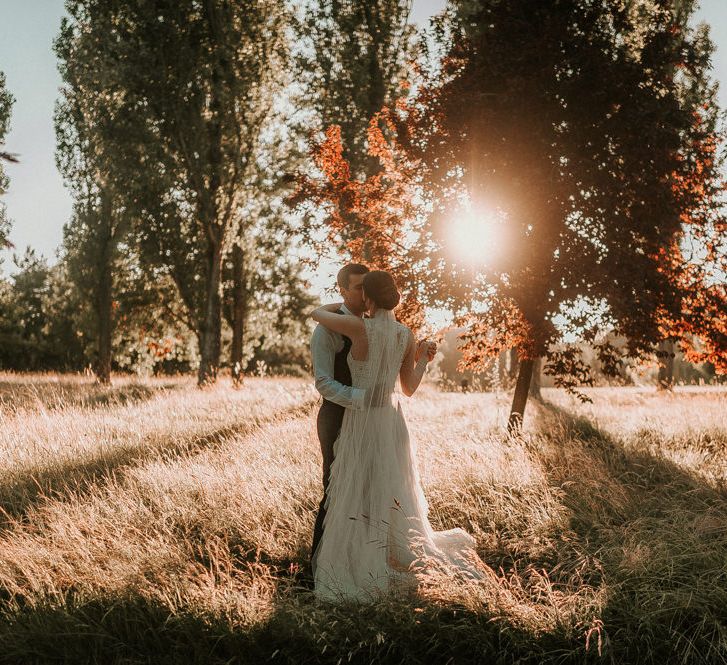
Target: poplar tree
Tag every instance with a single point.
(262, 282)
(353, 60)
(192, 84)
(99, 223)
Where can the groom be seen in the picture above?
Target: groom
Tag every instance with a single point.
(329, 352)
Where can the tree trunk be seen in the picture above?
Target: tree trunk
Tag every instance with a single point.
(239, 312)
(534, 390)
(104, 314)
(520, 398)
(514, 360)
(210, 334)
(211, 214)
(665, 378)
(104, 288)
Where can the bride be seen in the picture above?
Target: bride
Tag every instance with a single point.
(376, 534)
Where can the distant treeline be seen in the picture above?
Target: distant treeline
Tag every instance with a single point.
(502, 371)
(46, 324)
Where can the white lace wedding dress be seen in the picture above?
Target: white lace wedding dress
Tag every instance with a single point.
(376, 533)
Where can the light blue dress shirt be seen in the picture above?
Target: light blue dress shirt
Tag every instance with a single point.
(324, 345)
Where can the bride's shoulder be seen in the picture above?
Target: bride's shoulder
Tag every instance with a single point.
(403, 331)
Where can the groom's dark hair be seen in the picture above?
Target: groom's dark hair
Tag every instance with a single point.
(350, 269)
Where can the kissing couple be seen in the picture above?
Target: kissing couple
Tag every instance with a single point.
(372, 534)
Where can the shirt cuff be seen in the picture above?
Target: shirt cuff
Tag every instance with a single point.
(357, 398)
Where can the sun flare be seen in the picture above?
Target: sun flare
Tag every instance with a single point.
(476, 235)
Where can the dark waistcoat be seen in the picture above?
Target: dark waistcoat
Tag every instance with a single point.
(341, 370)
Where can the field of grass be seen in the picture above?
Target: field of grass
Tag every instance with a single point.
(151, 522)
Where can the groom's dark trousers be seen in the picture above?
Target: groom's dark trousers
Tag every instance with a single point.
(328, 424)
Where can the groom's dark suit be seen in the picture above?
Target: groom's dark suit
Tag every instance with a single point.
(328, 423)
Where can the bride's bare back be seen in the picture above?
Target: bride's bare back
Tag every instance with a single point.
(354, 327)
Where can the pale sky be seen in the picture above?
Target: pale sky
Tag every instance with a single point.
(37, 201)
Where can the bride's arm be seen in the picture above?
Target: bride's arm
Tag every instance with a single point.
(346, 324)
(412, 371)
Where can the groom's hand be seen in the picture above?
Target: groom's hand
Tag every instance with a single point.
(432, 350)
(428, 347)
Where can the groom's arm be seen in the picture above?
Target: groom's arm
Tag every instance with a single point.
(323, 352)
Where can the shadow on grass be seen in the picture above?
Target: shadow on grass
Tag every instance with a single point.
(19, 492)
(656, 530)
(297, 629)
(642, 475)
(60, 393)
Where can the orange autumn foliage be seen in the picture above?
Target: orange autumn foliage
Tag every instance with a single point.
(700, 324)
(375, 220)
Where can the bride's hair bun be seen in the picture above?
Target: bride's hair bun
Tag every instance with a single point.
(379, 286)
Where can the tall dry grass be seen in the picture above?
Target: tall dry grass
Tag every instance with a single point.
(156, 523)
(71, 434)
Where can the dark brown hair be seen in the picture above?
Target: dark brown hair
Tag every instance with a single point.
(379, 286)
(350, 269)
